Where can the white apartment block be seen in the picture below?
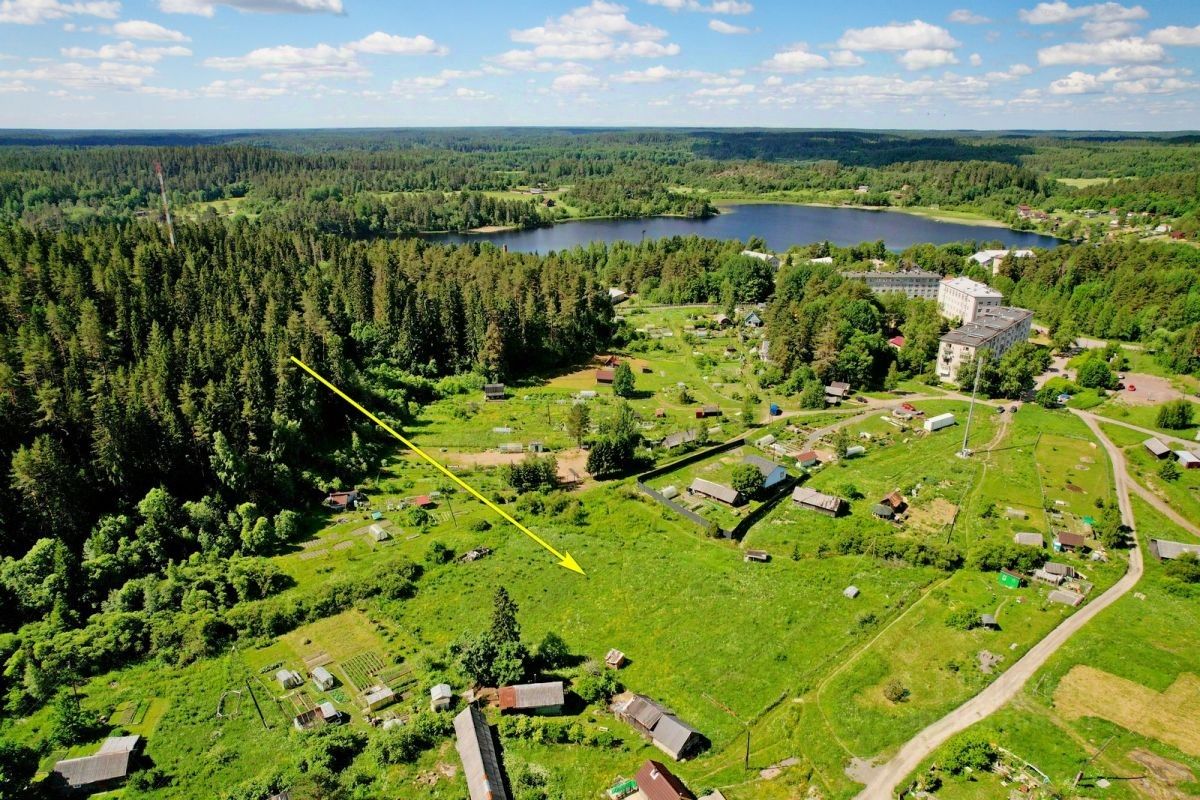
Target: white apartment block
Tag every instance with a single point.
(996, 329)
(964, 299)
(992, 259)
(910, 282)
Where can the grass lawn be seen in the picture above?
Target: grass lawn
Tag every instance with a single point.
(1149, 637)
(1145, 417)
(1182, 494)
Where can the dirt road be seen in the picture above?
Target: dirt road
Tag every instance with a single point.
(886, 777)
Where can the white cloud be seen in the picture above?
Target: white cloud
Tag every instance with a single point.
(1058, 12)
(126, 51)
(965, 16)
(285, 62)
(34, 12)
(147, 31)
(915, 35)
(1099, 30)
(976, 60)
(207, 8)
(925, 58)
(773, 80)
(721, 26)
(594, 32)
(1154, 86)
(846, 58)
(1134, 50)
(527, 61)
(239, 89)
(106, 74)
(463, 93)
(1176, 35)
(1010, 74)
(797, 58)
(715, 7)
(1076, 83)
(1137, 72)
(868, 91)
(381, 43)
(736, 90)
(574, 82)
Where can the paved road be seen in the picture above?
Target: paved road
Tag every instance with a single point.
(887, 777)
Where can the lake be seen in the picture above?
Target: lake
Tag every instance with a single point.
(781, 225)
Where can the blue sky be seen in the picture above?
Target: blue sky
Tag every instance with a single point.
(348, 63)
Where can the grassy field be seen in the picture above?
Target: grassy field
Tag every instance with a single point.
(1149, 637)
(1183, 493)
(1144, 417)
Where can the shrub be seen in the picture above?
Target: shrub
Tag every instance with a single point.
(895, 691)
(968, 751)
(1175, 415)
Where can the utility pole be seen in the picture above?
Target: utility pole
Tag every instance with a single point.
(1079, 775)
(162, 188)
(256, 706)
(965, 453)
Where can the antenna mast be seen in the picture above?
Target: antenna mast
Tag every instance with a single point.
(162, 188)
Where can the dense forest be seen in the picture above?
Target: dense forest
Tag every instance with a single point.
(397, 183)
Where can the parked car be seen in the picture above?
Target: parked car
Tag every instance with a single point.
(1131, 388)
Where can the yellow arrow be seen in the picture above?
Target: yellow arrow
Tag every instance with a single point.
(564, 559)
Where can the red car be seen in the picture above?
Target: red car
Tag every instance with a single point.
(1131, 388)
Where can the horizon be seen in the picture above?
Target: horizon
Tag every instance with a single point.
(353, 64)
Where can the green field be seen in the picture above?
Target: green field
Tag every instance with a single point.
(1145, 417)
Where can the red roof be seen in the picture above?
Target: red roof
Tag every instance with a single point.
(658, 783)
(421, 501)
(604, 376)
(896, 341)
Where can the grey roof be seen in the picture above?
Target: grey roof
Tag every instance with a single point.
(765, 466)
(480, 759)
(98, 768)
(644, 711)
(119, 744)
(533, 695)
(814, 499)
(322, 674)
(971, 287)
(441, 692)
(1156, 447)
(1161, 548)
(673, 734)
(1030, 539)
(988, 620)
(1065, 597)
(883, 510)
(1055, 568)
(990, 324)
(678, 438)
(725, 494)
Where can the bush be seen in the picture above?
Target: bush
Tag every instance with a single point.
(479, 525)
(1175, 415)
(597, 686)
(1169, 471)
(968, 751)
(964, 619)
(747, 480)
(895, 691)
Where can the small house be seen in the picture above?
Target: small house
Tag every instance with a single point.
(1188, 460)
(323, 679)
(808, 460)
(988, 621)
(897, 342)
(1042, 576)
(716, 491)
(329, 713)
(1163, 549)
(940, 421)
(479, 750)
(883, 511)
(423, 501)
(707, 411)
(851, 592)
(812, 500)
(772, 474)
(1062, 570)
(1065, 542)
(344, 501)
(666, 731)
(616, 296)
(289, 678)
(1156, 447)
(1067, 598)
(605, 376)
(656, 782)
(722, 321)
(673, 440)
(761, 556)
(106, 769)
(493, 391)
(769, 259)
(895, 501)
(1009, 579)
(753, 320)
(765, 442)
(614, 659)
(377, 697)
(1029, 539)
(440, 697)
(534, 698)
(837, 391)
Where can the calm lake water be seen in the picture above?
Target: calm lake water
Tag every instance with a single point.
(779, 224)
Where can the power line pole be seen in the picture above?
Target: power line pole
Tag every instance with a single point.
(965, 453)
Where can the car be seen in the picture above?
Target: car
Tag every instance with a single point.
(1014, 409)
(1000, 410)
(1131, 388)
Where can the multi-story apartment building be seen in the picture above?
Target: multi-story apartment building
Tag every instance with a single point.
(995, 329)
(910, 282)
(964, 299)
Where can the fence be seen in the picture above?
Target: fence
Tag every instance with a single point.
(690, 458)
